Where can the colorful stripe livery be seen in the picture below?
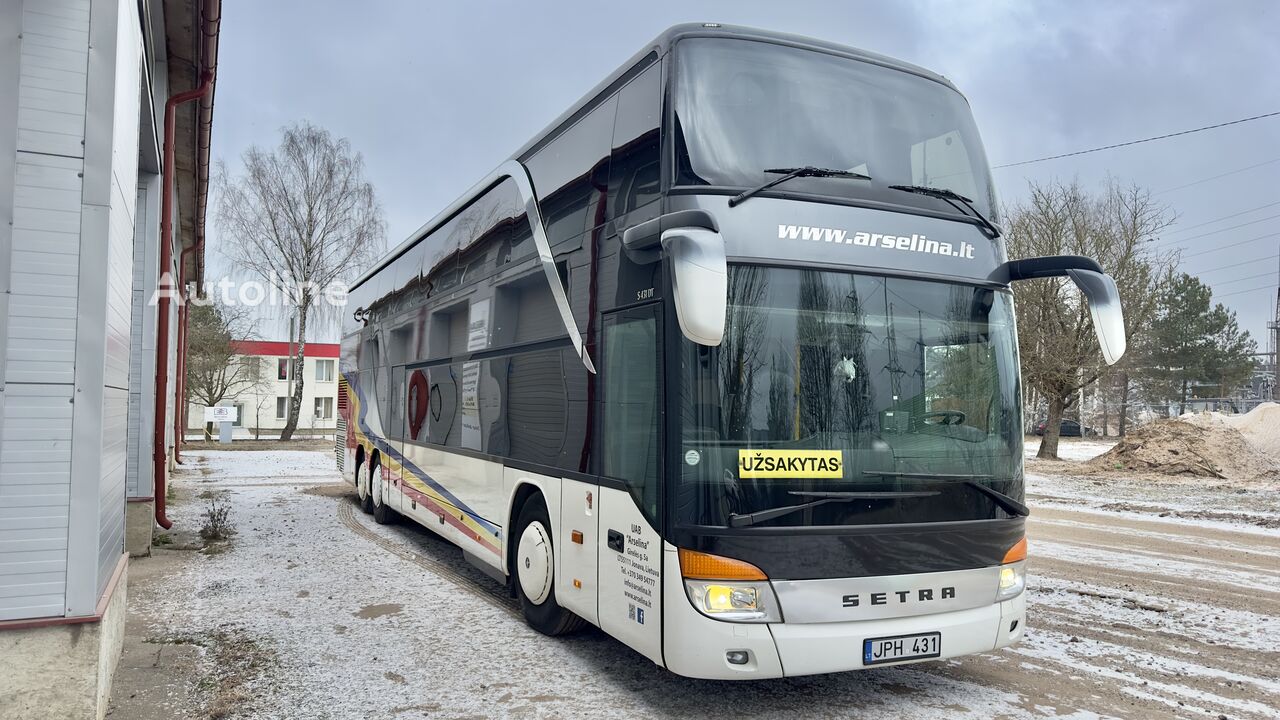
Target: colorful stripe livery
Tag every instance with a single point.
(415, 483)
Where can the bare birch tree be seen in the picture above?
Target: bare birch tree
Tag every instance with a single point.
(304, 219)
(1059, 350)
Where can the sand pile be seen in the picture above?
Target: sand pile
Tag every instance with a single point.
(1260, 426)
(1202, 445)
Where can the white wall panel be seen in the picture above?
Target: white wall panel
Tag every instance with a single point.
(35, 469)
(115, 416)
(122, 198)
(54, 73)
(42, 262)
(44, 270)
(142, 341)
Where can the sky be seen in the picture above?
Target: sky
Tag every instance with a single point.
(435, 95)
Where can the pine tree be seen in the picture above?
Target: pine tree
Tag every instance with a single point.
(1192, 340)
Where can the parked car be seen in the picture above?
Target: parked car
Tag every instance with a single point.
(1070, 428)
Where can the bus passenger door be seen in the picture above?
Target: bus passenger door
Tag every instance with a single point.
(630, 570)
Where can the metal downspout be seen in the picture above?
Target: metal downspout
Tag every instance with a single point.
(211, 21)
(166, 292)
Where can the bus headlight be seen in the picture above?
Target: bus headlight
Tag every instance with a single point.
(1013, 580)
(728, 589)
(736, 601)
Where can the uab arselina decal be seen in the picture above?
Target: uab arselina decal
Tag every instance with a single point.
(903, 243)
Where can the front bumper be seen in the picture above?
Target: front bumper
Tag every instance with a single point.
(696, 646)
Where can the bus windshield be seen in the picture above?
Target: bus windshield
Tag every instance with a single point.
(904, 393)
(743, 107)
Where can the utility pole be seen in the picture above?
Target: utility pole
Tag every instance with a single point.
(1273, 340)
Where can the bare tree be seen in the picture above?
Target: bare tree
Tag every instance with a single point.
(1060, 354)
(214, 369)
(304, 219)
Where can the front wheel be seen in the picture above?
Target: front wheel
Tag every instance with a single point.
(535, 573)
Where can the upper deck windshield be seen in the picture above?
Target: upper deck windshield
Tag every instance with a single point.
(745, 106)
(896, 381)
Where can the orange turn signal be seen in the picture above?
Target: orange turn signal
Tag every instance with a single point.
(705, 566)
(1016, 553)
(576, 536)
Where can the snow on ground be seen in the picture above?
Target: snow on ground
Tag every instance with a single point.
(1156, 563)
(361, 620)
(1094, 603)
(360, 632)
(290, 467)
(1110, 661)
(1075, 449)
(1175, 500)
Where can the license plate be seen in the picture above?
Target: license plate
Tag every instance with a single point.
(901, 647)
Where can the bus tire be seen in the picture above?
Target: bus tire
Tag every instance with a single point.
(364, 486)
(382, 513)
(535, 572)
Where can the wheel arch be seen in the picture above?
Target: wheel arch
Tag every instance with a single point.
(355, 467)
(523, 487)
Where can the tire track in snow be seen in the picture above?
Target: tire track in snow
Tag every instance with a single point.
(1260, 570)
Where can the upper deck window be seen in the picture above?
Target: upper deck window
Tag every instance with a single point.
(745, 106)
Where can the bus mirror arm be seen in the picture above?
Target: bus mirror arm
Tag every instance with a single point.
(643, 242)
(1098, 288)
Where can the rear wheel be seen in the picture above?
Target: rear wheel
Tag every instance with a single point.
(364, 488)
(382, 513)
(535, 573)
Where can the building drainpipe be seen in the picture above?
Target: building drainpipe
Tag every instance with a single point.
(180, 377)
(210, 25)
(166, 292)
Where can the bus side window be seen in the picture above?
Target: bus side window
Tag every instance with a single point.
(631, 397)
(634, 175)
(570, 175)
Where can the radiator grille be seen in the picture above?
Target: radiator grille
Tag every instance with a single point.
(340, 429)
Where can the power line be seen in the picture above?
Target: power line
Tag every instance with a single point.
(1269, 273)
(1223, 247)
(1269, 286)
(1246, 262)
(1233, 227)
(1215, 177)
(1136, 142)
(1224, 217)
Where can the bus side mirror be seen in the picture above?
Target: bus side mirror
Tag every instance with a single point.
(1098, 288)
(1104, 305)
(699, 276)
(699, 281)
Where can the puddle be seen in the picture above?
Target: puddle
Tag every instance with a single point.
(370, 612)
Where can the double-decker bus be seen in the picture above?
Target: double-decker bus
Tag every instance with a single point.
(722, 362)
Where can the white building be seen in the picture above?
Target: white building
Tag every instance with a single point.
(86, 166)
(263, 408)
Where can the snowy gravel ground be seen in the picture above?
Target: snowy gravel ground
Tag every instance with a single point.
(356, 620)
(1246, 507)
(1075, 449)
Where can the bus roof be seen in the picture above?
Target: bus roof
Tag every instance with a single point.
(657, 48)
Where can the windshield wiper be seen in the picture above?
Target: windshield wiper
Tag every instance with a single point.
(736, 520)
(1010, 505)
(795, 172)
(952, 197)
